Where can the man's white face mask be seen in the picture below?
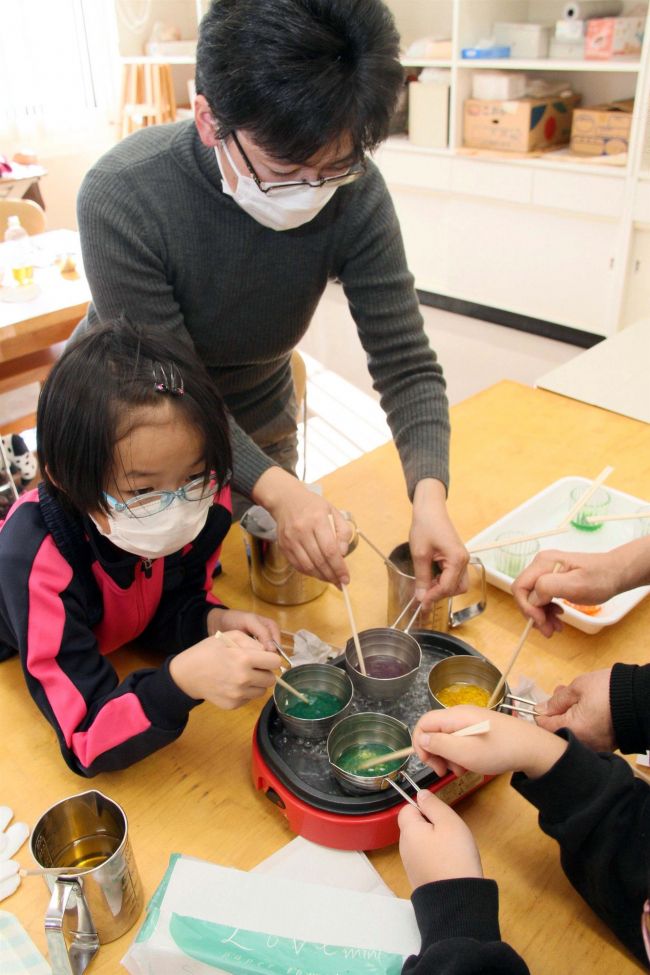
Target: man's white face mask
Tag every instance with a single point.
(279, 211)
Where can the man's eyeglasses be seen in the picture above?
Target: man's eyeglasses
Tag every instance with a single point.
(265, 187)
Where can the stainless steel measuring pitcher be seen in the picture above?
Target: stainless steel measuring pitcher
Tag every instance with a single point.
(272, 576)
(441, 616)
(100, 897)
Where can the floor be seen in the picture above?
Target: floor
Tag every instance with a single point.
(344, 418)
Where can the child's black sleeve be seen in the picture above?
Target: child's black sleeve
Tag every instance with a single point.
(459, 924)
(599, 813)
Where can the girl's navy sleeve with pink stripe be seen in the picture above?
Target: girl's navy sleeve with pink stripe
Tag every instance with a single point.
(102, 723)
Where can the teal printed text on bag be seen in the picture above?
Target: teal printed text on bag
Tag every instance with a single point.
(242, 952)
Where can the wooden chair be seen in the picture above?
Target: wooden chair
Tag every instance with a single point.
(147, 94)
(31, 216)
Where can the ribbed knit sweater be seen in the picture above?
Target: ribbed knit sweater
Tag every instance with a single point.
(163, 245)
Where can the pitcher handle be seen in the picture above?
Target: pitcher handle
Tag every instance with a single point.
(469, 612)
(85, 943)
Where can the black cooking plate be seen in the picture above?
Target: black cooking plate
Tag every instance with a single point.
(302, 765)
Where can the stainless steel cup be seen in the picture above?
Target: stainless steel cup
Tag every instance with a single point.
(272, 576)
(312, 678)
(101, 897)
(441, 617)
(359, 729)
(383, 641)
(464, 669)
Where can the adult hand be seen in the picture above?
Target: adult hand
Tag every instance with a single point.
(581, 578)
(435, 843)
(433, 538)
(304, 530)
(262, 628)
(227, 674)
(584, 708)
(511, 744)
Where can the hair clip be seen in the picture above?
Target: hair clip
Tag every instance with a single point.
(171, 383)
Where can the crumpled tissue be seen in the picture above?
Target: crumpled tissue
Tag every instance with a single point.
(310, 649)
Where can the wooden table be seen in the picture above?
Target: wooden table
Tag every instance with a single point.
(196, 796)
(31, 330)
(31, 325)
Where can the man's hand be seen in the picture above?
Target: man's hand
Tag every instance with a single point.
(433, 538)
(304, 530)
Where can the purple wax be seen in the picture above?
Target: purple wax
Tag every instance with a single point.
(384, 666)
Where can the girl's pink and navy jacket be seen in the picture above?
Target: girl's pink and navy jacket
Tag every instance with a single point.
(68, 597)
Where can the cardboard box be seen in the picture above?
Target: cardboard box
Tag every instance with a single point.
(602, 130)
(614, 37)
(518, 125)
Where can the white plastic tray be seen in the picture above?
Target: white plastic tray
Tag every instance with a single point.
(546, 510)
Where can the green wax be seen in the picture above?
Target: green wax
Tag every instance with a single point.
(320, 705)
(350, 759)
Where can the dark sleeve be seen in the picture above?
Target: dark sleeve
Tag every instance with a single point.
(459, 924)
(125, 264)
(101, 724)
(629, 699)
(383, 302)
(180, 620)
(599, 813)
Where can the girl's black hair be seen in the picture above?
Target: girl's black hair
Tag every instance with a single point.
(85, 401)
(300, 74)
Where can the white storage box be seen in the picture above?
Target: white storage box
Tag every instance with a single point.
(495, 85)
(524, 40)
(428, 114)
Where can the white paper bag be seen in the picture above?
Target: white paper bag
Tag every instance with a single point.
(205, 919)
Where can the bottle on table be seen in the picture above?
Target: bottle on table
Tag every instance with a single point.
(21, 262)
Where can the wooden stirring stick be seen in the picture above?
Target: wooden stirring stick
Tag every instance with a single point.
(53, 871)
(516, 539)
(292, 690)
(580, 503)
(348, 606)
(278, 680)
(630, 516)
(494, 696)
(480, 728)
(582, 500)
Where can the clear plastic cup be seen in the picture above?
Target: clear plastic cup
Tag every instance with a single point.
(595, 508)
(511, 559)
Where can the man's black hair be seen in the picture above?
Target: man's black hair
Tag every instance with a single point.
(298, 75)
(86, 400)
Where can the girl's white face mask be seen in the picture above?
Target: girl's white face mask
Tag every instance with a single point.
(282, 210)
(159, 534)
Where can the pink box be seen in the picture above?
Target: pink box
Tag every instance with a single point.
(614, 37)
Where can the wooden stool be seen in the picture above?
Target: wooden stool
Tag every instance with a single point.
(147, 94)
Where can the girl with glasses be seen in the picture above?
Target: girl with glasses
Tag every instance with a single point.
(119, 543)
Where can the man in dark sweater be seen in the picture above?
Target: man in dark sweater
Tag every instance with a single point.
(228, 228)
(591, 803)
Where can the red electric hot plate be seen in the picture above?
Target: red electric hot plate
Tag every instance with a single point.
(295, 773)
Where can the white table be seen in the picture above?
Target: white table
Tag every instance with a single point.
(612, 374)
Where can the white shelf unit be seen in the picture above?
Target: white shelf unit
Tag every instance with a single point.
(546, 238)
